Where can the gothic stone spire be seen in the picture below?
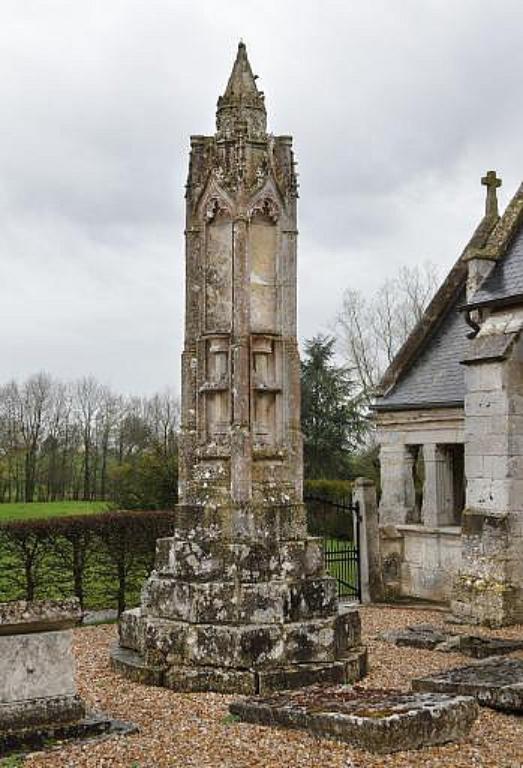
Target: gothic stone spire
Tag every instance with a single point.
(241, 109)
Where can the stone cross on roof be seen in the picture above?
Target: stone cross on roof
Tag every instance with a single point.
(491, 182)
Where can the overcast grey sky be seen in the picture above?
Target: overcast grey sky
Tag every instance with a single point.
(397, 107)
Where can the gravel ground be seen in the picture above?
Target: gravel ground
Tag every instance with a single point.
(178, 730)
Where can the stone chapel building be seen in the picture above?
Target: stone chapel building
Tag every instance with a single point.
(449, 421)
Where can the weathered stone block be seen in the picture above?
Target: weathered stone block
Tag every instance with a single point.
(313, 640)
(300, 675)
(38, 712)
(216, 679)
(495, 683)
(25, 617)
(131, 629)
(310, 598)
(36, 666)
(356, 664)
(261, 603)
(165, 641)
(133, 666)
(371, 720)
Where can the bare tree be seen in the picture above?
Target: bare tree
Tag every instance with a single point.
(89, 398)
(371, 330)
(35, 401)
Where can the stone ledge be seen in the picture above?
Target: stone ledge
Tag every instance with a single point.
(91, 726)
(494, 682)
(40, 712)
(377, 721)
(24, 617)
(248, 522)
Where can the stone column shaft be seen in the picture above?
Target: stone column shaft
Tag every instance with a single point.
(398, 498)
(241, 444)
(438, 488)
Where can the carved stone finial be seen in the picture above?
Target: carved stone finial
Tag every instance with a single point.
(241, 109)
(491, 182)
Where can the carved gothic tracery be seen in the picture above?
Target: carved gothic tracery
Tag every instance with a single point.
(266, 206)
(214, 206)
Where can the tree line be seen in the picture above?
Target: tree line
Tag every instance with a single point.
(73, 441)
(80, 440)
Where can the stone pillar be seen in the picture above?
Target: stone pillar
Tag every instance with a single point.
(371, 578)
(488, 588)
(438, 488)
(398, 498)
(241, 442)
(239, 600)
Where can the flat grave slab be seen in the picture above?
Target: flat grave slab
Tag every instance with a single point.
(432, 638)
(494, 682)
(375, 720)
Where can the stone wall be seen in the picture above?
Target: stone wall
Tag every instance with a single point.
(489, 587)
(420, 562)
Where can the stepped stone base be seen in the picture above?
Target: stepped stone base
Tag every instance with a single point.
(378, 721)
(239, 602)
(244, 681)
(494, 682)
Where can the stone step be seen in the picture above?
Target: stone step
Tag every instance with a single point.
(226, 602)
(209, 560)
(184, 678)
(164, 642)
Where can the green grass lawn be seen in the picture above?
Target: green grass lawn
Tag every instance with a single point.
(40, 509)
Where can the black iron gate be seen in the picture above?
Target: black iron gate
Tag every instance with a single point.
(338, 524)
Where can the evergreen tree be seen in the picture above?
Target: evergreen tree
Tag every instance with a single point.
(331, 417)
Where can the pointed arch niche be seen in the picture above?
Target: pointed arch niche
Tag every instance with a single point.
(263, 247)
(218, 266)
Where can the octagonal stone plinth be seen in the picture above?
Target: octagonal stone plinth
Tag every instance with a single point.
(494, 682)
(377, 721)
(235, 607)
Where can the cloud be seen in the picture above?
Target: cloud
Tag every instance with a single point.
(396, 110)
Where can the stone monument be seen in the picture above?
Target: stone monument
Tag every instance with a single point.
(38, 697)
(239, 600)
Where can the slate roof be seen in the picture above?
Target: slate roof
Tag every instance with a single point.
(436, 378)
(506, 279)
(427, 370)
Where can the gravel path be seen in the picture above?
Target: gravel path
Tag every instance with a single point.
(179, 730)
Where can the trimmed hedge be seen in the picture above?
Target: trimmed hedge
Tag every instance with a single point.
(102, 559)
(324, 518)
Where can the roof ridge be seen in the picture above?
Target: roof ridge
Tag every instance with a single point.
(502, 233)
